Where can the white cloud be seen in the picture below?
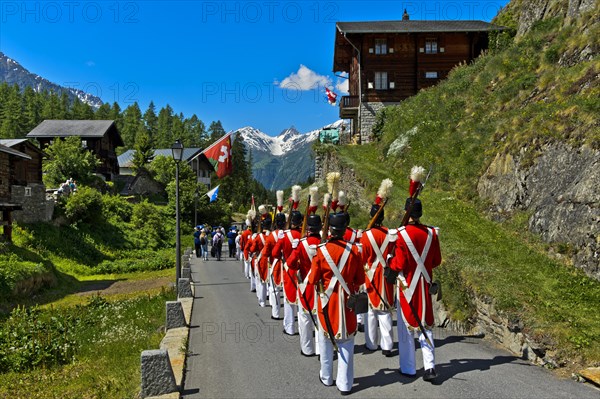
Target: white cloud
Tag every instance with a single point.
(90, 63)
(304, 79)
(342, 85)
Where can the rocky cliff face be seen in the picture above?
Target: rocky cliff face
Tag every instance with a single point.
(561, 190)
(531, 11)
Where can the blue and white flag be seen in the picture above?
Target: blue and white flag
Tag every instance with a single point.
(212, 194)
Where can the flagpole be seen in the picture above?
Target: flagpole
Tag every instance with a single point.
(216, 141)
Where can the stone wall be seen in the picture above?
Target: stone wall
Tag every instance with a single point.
(36, 207)
(560, 189)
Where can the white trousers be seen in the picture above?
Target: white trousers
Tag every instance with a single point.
(261, 291)
(247, 269)
(289, 314)
(379, 330)
(275, 301)
(406, 348)
(306, 328)
(345, 370)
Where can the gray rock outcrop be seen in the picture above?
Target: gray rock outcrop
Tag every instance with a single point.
(560, 189)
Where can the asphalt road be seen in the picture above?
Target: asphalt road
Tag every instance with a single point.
(237, 351)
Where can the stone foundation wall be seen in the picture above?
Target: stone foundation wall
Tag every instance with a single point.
(36, 207)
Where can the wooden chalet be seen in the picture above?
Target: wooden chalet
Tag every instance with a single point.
(8, 158)
(192, 156)
(101, 137)
(389, 61)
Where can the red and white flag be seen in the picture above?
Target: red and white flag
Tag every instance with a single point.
(331, 96)
(219, 155)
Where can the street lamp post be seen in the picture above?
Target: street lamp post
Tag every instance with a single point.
(177, 149)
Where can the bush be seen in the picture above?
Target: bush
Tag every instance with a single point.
(116, 207)
(83, 205)
(137, 261)
(149, 226)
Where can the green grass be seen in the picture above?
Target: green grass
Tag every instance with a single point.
(106, 362)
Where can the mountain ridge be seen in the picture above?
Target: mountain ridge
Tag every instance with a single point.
(12, 72)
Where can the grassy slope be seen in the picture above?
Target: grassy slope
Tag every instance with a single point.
(510, 99)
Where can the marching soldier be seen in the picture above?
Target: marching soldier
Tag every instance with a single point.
(248, 255)
(337, 267)
(261, 269)
(377, 243)
(417, 253)
(300, 262)
(245, 236)
(274, 264)
(282, 251)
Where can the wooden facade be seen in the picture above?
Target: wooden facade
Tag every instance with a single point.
(100, 137)
(26, 171)
(8, 158)
(389, 61)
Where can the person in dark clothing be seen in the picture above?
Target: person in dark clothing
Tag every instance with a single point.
(218, 243)
(231, 242)
(197, 245)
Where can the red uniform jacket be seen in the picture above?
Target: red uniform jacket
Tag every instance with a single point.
(267, 261)
(301, 260)
(262, 268)
(248, 246)
(282, 251)
(374, 264)
(343, 320)
(352, 235)
(245, 237)
(417, 277)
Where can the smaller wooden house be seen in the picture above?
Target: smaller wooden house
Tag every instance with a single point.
(8, 156)
(101, 137)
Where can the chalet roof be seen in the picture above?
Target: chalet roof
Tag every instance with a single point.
(15, 142)
(81, 128)
(414, 26)
(126, 158)
(10, 151)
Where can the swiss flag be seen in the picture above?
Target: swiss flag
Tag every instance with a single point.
(219, 155)
(331, 96)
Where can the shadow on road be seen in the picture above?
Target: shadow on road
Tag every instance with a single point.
(449, 370)
(381, 378)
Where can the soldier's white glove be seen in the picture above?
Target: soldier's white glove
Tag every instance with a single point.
(360, 248)
(295, 243)
(388, 260)
(280, 234)
(312, 250)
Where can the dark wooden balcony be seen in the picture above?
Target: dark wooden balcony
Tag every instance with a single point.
(349, 107)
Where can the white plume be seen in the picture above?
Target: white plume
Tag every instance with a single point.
(343, 199)
(326, 200)
(296, 193)
(251, 214)
(262, 209)
(248, 222)
(279, 197)
(314, 196)
(333, 179)
(417, 173)
(384, 188)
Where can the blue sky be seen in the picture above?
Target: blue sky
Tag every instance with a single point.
(247, 63)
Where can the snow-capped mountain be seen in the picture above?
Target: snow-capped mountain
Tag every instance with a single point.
(283, 160)
(12, 73)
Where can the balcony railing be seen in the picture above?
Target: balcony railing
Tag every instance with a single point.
(349, 106)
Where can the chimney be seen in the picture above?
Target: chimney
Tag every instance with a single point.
(405, 16)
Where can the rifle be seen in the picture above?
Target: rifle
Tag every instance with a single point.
(374, 218)
(328, 325)
(325, 230)
(305, 220)
(289, 217)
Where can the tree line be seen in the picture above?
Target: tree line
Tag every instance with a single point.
(22, 110)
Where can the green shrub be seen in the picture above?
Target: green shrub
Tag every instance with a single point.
(137, 261)
(148, 223)
(84, 206)
(115, 206)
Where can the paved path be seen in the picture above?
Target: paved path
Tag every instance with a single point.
(237, 351)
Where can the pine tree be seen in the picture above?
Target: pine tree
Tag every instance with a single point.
(31, 109)
(12, 125)
(81, 110)
(103, 113)
(64, 109)
(216, 131)
(116, 115)
(151, 122)
(144, 153)
(164, 139)
(132, 124)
